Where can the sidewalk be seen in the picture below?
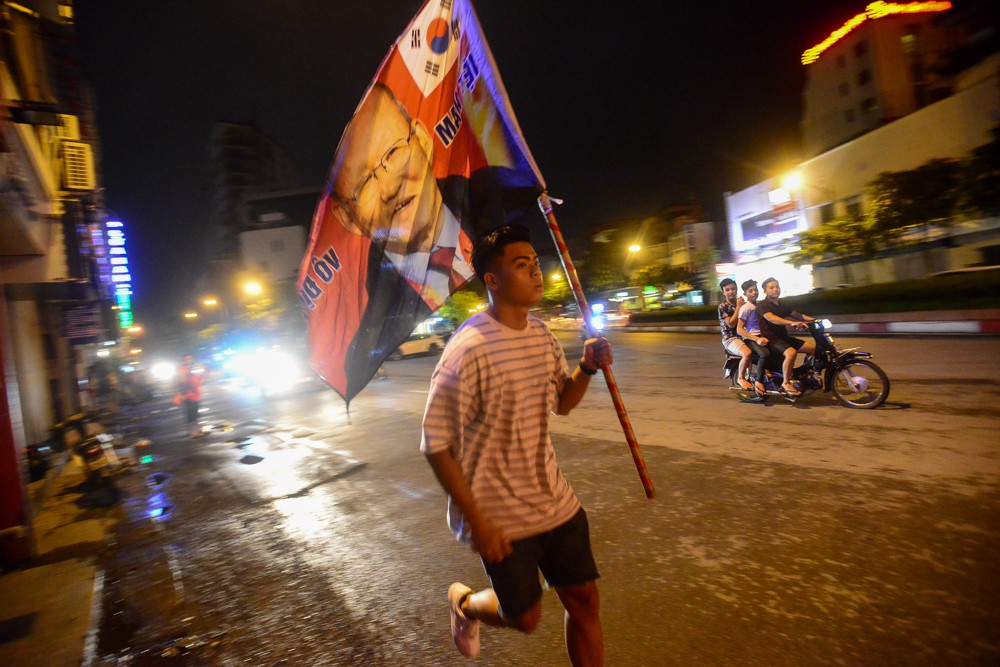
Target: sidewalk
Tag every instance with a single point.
(51, 604)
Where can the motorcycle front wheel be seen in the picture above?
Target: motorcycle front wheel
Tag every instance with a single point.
(861, 384)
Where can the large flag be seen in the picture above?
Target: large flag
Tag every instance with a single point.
(432, 157)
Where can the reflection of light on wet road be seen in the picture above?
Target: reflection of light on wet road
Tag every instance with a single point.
(308, 517)
(279, 472)
(329, 542)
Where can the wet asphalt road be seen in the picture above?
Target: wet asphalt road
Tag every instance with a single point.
(783, 534)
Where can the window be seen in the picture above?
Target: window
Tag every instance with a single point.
(853, 205)
(864, 76)
(909, 43)
(869, 106)
(826, 213)
(277, 246)
(844, 89)
(848, 115)
(861, 48)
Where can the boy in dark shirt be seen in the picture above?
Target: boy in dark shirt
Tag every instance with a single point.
(774, 319)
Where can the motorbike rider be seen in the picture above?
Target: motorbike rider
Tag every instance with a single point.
(728, 317)
(748, 327)
(775, 318)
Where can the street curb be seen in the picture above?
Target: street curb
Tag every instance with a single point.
(987, 328)
(944, 322)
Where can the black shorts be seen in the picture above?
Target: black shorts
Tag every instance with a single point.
(563, 555)
(779, 345)
(191, 410)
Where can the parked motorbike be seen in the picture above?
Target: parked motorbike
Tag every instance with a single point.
(94, 450)
(855, 380)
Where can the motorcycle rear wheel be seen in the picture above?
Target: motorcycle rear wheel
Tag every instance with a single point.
(746, 395)
(861, 384)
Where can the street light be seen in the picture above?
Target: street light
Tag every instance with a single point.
(190, 315)
(792, 180)
(252, 288)
(210, 301)
(634, 248)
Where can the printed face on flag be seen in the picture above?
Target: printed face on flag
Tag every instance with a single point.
(384, 175)
(432, 157)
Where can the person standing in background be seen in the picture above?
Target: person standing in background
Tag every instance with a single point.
(189, 393)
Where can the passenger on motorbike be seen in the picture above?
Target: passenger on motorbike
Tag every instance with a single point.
(774, 318)
(748, 327)
(728, 317)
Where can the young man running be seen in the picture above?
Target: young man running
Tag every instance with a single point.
(486, 436)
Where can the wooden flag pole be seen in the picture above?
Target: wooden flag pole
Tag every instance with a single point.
(616, 397)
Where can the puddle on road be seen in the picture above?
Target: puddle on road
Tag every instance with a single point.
(159, 507)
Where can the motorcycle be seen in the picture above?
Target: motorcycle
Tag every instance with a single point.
(95, 451)
(855, 380)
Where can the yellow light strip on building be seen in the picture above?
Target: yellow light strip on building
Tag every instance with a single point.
(875, 10)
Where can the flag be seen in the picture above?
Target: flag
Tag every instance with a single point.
(432, 157)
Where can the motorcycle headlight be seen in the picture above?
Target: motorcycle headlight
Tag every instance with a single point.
(826, 324)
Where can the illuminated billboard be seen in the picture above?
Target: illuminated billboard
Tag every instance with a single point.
(763, 215)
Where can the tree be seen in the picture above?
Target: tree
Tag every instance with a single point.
(459, 306)
(840, 237)
(704, 262)
(662, 275)
(557, 291)
(980, 184)
(927, 195)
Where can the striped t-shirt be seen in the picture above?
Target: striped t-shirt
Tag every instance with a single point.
(490, 399)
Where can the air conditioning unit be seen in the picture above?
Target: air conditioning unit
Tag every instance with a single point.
(68, 128)
(78, 165)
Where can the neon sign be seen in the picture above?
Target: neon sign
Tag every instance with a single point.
(121, 276)
(875, 10)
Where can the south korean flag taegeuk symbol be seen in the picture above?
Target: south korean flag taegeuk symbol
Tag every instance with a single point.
(430, 46)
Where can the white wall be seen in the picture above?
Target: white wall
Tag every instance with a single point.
(949, 128)
(275, 252)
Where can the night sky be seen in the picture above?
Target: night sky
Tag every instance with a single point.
(626, 106)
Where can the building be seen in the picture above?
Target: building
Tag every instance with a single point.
(673, 238)
(56, 286)
(273, 241)
(241, 163)
(879, 66)
(936, 85)
(244, 169)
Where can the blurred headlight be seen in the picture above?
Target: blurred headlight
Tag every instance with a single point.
(163, 370)
(274, 371)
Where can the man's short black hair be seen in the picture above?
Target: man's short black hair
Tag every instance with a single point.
(772, 279)
(726, 281)
(490, 247)
(747, 284)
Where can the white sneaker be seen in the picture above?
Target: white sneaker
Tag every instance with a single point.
(464, 631)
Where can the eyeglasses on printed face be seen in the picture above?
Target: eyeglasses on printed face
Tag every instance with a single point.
(394, 158)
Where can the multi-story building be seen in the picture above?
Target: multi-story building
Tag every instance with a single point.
(273, 242)
(890, 90)
(55, 299)
(879, 66)
(242, 163)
